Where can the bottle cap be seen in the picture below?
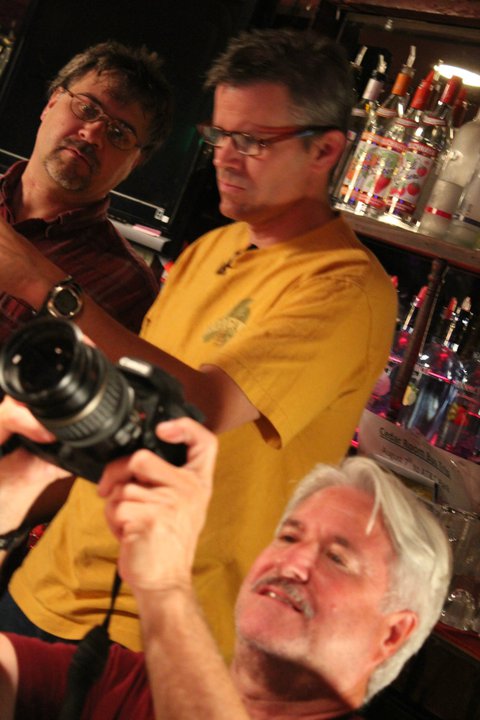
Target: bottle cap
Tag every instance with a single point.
(423, 91)
(452, 88)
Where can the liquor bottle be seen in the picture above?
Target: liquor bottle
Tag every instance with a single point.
(439, 375)
(427, 142)
(357, 70)
(378, 402)
(464, 228)
(439, 329)
(455, 171)
(358, 120)
(396, 103)
(460, 431)
(356, 188)
(390, 150)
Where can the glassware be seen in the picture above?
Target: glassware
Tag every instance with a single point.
(426, 143)
(438, 376)
(464, 228)
(379, 400)
(454, 172)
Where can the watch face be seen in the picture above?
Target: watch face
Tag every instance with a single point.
(67, 303)
(65, 300)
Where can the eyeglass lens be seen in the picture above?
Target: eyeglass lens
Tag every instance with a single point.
(119, 135)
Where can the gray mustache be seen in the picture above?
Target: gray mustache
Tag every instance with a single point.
(290, 589)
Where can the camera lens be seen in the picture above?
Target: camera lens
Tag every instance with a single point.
(68, 385)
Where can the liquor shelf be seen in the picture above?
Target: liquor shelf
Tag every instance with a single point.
(400, 235)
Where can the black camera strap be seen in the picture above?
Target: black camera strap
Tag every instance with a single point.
(88, 662)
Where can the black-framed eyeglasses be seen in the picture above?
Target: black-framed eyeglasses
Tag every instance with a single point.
(119, 134)
(247, 144)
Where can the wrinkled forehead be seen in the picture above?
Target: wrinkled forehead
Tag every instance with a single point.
(112, 82)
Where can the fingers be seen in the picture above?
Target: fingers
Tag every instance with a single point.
(149, 469)
(16, 418)
(202, 444)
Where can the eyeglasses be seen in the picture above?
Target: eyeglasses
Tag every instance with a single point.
(119, 134)
(247, 144)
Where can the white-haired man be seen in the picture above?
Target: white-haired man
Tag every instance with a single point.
(349, 588)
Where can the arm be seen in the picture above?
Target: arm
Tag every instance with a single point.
(25, 273)
(157, 519)
(8, 679)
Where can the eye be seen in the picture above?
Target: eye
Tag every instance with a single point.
(337, 558)
(88, 111)
(287, 537)
(247, 143)
(116, 132)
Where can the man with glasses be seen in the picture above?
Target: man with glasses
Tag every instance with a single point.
(108, 109)
(277, 325)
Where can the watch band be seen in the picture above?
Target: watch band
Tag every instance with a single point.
(64, 301)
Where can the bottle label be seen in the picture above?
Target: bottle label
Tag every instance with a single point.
(358, 168)
(385, 161)
(431, 120)
(386, 112)
(418, 161)
(406, 122)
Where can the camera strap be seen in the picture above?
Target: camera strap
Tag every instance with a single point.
(88, 661)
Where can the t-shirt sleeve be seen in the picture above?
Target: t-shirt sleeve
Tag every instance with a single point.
(315, 347)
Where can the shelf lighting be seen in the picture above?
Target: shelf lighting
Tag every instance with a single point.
(469, 78)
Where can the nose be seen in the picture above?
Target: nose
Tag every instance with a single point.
(296, 561)
(93, 132)
(227, 155)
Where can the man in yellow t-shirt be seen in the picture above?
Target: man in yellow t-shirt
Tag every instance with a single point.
(277, 325)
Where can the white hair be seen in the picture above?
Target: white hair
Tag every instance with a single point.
(421, 571)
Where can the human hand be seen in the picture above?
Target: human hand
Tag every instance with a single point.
(23, 476)
(157, 510)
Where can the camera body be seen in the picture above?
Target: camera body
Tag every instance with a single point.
(97, 411)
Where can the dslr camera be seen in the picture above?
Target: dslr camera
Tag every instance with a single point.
(96, 410)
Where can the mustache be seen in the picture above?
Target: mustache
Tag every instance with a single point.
(84, 148)
(289, 589)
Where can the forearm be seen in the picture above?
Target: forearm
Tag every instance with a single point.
(221, 401)
(188, 677)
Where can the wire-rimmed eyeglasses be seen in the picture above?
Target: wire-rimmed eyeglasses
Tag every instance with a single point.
(119, 133)
(247, 144)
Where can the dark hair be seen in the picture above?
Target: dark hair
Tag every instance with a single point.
(140, 78)
(314, 69)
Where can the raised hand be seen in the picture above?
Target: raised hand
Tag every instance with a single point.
(157, 510)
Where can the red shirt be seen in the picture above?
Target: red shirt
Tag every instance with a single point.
(86, 245)
(122, 693)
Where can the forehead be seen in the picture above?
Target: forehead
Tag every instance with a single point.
(108, 89)
(344, 512)
(257, 104)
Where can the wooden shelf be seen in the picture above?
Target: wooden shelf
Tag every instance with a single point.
(403, 237)
(465, 12)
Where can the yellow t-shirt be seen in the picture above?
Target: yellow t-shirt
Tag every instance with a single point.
(304, 328)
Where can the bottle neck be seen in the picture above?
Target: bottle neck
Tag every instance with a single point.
(409, 322)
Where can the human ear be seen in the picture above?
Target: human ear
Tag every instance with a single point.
(399, 626)
(328, 148)
(51, 102)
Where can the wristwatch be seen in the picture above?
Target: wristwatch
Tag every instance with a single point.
(64, 301)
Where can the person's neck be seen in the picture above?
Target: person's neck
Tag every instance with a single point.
(294, 221)
(272, 688)
(35, 197)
